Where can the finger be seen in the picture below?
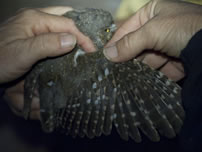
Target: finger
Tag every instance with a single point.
(172, 72)
(18, 88)
(56, 10)
(134, 23)
(140, 57)
(15, 101)
(35, 103)
(154, 60)
(16, 104)
(178, 64)
(133, 43)
(50, 23)
(16, 112)
(35, 115)
(45, 45)
(129, 46)
(29, 51)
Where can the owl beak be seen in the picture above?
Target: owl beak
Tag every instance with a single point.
(113, 27)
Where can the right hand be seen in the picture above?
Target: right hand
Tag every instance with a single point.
(163, 26)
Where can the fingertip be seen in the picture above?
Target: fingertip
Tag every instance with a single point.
(86, 44)
(122, 50)
(111, 52)
(89, 48)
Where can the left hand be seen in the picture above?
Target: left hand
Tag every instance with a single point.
(15, 99)
(28, 37)
(35, 34)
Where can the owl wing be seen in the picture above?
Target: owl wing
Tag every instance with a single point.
(151, 102)
(131, 95)
(30, 87)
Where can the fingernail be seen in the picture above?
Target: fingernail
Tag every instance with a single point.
(67, 40)
(111, 52)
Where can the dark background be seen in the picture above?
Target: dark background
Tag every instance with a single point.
(9, 7)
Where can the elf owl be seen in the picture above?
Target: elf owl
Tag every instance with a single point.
(84, 94)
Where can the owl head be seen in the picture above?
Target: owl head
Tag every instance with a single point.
(97, 24)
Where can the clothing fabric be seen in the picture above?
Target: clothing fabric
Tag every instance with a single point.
(2, 89)
(191, 134)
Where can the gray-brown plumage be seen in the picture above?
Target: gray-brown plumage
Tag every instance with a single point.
(85, 94)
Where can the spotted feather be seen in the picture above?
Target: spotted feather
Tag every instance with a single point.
(84, 94)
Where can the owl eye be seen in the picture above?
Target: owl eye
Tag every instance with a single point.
(107, 30)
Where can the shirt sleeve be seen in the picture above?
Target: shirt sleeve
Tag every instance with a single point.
(2, 89)
(191, 134)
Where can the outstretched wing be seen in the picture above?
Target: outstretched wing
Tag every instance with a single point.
(130, 95)
(151, 101)
(86, 94)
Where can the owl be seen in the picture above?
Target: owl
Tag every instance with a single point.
(84, 94)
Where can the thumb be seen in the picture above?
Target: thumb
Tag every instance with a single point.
(129, 46)
(49, 45)
(26, 52)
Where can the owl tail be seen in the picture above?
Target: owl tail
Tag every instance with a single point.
(132, 96)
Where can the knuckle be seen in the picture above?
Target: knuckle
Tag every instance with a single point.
(37, 47)
(127, 43)
(149, 36)
(48, 43)
(26, 17)
(42, 43)
(27, 13)
(125, 48)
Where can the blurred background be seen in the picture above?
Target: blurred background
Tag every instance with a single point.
(9, 7)
(16, 134)
(120, 9)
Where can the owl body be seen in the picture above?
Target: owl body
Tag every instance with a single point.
(84, 94)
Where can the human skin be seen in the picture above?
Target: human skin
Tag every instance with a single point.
(164, 27)
(32, 35)
(35, 34)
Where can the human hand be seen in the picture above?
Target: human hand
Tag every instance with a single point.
(28, 37)
(35, 34)
(163, 26)
(15, 99)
